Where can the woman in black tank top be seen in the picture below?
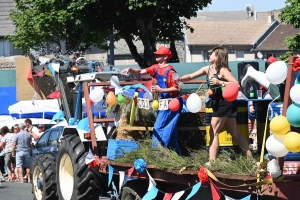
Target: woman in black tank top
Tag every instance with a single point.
(224, 112)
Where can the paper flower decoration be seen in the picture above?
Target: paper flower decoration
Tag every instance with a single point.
(296, 65)
(202, 175)
(140, 165)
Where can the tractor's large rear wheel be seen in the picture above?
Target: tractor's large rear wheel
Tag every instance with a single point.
(75, 181)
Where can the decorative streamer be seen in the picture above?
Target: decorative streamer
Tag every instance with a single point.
(121, 181)
(151, 194)
(115, 192)
(151, 181)
(110, 174)
(168, 196)
(58, 116)
(84, 124)
(51, 69)
(177, 195)
(130, 171)
(194, 190)
(140, 166)
(216, 195)
(245, 198)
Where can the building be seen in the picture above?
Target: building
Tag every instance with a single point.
(275, 43)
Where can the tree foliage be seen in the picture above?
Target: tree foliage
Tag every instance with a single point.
(290, 14)
(82, 23)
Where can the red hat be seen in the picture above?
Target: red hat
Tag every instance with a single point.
(164, 51)
(271, 59)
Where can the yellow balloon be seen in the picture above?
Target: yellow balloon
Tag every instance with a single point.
(279, 125)
(155, 104)
(136, 94)
(292, 142)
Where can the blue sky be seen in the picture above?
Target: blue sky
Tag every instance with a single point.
(259, 5)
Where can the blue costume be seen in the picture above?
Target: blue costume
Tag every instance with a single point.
(165, 127)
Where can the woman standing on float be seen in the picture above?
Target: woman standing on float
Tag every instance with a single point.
(224, 112)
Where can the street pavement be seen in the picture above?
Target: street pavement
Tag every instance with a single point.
(15, 190)
(21, 191)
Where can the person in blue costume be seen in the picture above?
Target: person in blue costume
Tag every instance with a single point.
(218, 75)
(165, 127)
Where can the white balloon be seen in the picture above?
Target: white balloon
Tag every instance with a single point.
(277, 72)
(96, 94)
(194, 103)
(275, 146)
(295, 93)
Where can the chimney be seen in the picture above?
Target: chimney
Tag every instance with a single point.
(271, 17)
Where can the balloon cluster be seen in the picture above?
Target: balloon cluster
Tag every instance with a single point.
(282, 141)
(97, 95)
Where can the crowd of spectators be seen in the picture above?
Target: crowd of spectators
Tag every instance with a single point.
(16, 146)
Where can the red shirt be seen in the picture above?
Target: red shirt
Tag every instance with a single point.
(162, 71)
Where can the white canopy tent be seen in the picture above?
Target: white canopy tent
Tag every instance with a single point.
(34, 109)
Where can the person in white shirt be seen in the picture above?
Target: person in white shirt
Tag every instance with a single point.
(32, 130)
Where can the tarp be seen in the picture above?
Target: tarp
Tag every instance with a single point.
(99, 109)
(34, 109)
(8, 97)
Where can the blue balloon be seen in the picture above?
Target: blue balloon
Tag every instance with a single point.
(292, 115)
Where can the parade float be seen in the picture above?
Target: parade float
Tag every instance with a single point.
(114, 152)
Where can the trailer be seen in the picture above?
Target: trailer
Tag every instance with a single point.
(75, 179)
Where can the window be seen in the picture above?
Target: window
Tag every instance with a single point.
(54, 136)
(206, 56)
(42, 142)
(240, 55)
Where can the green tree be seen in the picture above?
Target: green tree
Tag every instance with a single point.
(290, 14)
(89, 22)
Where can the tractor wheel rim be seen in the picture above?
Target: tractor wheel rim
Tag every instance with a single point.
(66, 177)
(37, 174)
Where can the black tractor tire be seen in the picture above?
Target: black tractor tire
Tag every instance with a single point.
(87, 183)
(43, 178)
(134, 190)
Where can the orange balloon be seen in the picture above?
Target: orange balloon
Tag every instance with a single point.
(210, 92)
(111, 98)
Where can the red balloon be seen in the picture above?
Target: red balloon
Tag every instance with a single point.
(231, 92)
(174, 105)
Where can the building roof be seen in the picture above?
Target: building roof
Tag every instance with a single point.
(6, 25)
(275, 41)
(237, 32)
(232, 15)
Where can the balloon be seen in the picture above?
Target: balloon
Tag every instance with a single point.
(276, 72)
(155, 104)
(292, 142)
(292, 115)
(231, 92)
(96, 94)
(279, 125)
(194, 103)
(136, 94)
(121, 99)
(276, 147)
(295, 94)
(111, 98)
(174, 105)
